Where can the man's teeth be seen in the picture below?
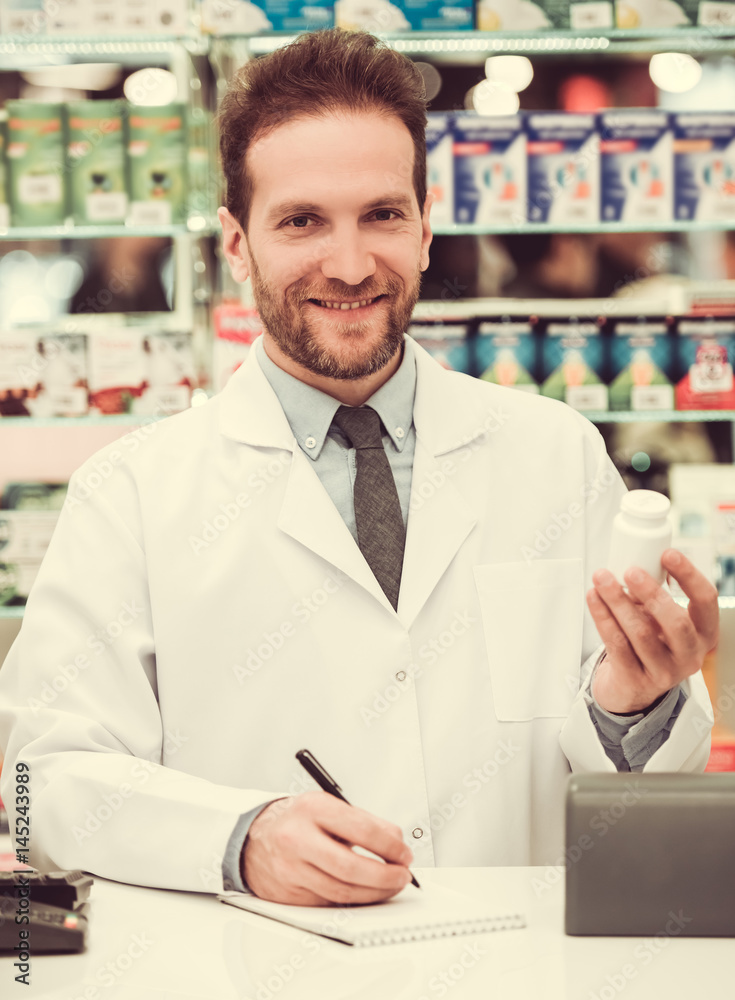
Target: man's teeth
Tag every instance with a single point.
(345, 305)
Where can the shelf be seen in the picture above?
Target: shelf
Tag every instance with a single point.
(17, 50)
(197, 226)
(672, 226)
(15, 611)
(90, 420)
(660, 416)
(473, 46)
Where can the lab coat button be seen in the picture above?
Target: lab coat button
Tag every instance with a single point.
(399, 432)
(310, 442)
(418, 833)
(401, 675)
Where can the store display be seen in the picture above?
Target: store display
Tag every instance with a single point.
(445, 342)
(573, 363)
(93, 17)
(705, 353)
(704, 165)
(636, 166)
(62, 376)
(507, 353)
(19, 371)
(489, 169)
(170, 375)
(563, 168)
(117, 369)
(157, 164)
(641, 360)
(25, 534)
(35, 159)
(96, 157)
(440, 167)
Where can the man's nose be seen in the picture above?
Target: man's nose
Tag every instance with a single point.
(348, 257)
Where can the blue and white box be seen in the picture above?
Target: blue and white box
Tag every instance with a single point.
(439, 15)
(563, 168)
(490, 174)
(704, 165)
(440, 167)
(636, 166)
(243, 17)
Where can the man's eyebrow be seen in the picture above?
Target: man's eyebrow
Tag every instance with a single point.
(289, 208)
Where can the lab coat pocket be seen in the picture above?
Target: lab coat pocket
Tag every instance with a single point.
(532, 616)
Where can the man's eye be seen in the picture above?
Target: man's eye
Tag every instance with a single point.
(297, 220)
(386, 211)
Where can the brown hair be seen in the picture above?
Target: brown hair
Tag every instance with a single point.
(317, 74)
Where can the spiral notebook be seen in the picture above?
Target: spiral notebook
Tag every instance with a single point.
(413, 915)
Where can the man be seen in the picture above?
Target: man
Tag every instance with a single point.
(212, 602)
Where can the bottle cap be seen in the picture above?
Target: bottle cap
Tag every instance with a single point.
(645, 503)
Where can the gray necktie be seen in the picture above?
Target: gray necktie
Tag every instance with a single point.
(380, 531)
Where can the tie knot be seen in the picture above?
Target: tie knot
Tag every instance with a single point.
(361, 426)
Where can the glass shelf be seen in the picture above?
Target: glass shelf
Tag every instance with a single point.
(90, 420)
(473, 46)
(673, 226)
(89, 46)
(15, 611)
(197, 225)
(660, 416)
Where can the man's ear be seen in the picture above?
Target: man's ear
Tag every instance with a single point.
(234, 246)
(426, 234)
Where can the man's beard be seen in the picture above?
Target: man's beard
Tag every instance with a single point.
(298, 338)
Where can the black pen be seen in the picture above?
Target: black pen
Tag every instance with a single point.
(309, 762)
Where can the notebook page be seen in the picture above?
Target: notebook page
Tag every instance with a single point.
(412, 915)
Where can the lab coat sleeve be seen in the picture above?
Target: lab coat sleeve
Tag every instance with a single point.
(78, 704)
(688, 745)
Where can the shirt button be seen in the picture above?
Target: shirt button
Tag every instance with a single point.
(418, 833)
(310, 442)
(401, 675)
(399, 432)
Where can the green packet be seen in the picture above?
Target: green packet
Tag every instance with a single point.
(96, 159)
(35, 163)
(157, 158)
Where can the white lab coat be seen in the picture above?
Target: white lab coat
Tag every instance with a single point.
(203, 613)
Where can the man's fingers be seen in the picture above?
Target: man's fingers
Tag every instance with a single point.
(703, 603)
(610, 632)
(333, 890)
(351, 868)
(641, 630)
(356, 826)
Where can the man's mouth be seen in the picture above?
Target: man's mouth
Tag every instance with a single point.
(346, 304)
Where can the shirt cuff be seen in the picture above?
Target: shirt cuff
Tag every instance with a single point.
(631, 740)
(231, 877)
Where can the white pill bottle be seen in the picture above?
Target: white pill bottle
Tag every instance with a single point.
(641, 533)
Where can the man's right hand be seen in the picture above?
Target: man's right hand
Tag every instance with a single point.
(299, 851)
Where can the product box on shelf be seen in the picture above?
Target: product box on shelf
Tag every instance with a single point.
(93, 17)
(16, 580)
(20, 368)
(117, 369)
(440, 167)
(170, 375)
(636, 166)
(236, 327)
(706, 352)
(25, 534)
(22, 17)
(573, 364)
(96, 157)
(157, 157)
(704, 165)
(524, 15)
(656, 13)
(446, 342)
(641, 361)
(490, 169)
(36, 163)
(244, 17)
(203, 182)
(62, 376)
(404, 15)
(4, 207)
(33, 496)
(506, 353)
(563, 168)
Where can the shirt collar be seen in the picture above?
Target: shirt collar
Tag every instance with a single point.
(310, 411)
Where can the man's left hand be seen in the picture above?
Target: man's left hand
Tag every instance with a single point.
(651, 644)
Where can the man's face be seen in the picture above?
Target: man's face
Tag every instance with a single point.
(334, 219)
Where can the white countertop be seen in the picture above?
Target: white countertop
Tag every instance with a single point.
(155, 944)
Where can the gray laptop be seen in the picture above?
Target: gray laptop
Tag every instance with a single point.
(650, 854)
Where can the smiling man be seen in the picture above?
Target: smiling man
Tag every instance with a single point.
(349, 550)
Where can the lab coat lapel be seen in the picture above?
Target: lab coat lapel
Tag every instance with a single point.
(251, 413)
(439, 518)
